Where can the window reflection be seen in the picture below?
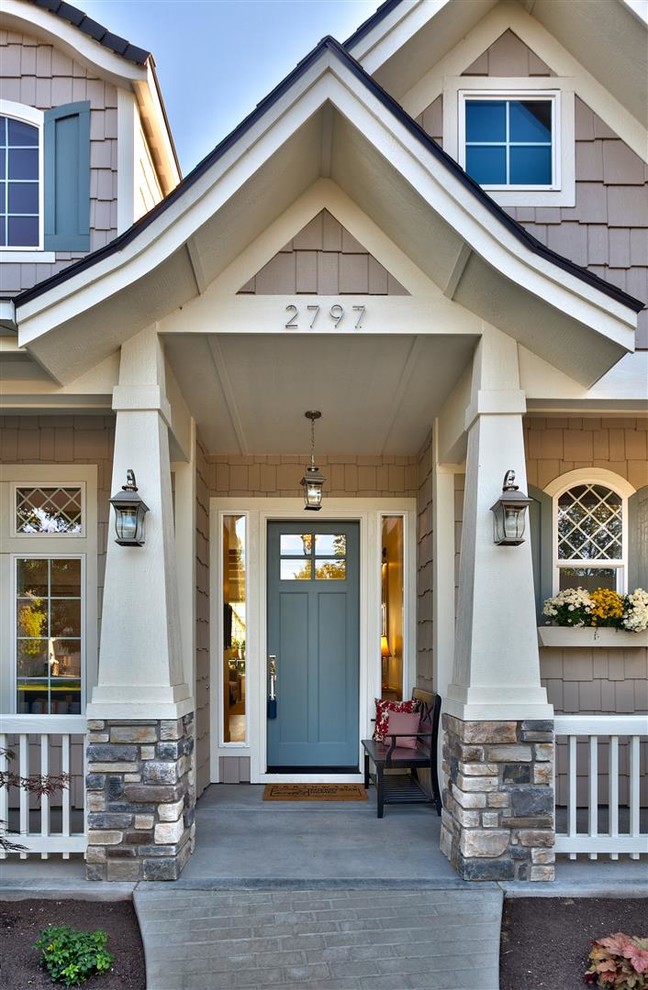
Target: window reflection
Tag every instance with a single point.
(234, 629)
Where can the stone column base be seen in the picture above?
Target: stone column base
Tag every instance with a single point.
(498, 802)
(140, 795)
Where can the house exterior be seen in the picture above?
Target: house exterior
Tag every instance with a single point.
(436, 236)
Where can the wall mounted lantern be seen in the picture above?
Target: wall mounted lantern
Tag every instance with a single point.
(129, 513)
(313, 482)
(509, 513)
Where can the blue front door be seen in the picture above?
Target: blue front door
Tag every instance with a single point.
(313, 610)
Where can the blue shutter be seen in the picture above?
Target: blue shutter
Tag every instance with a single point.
(67, 178)
(638, 540)
(540, 528)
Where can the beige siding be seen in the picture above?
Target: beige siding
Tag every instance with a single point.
(607, 230)
(424, 569)
(147, 186)
(66, 440)
(202, 621)
(508, 56)
(279, 476)
(555, 446)
(324, 259)
(40, 76)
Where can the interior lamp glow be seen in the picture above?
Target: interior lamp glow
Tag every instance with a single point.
(130, 510)
(312, 482)
(509, 513)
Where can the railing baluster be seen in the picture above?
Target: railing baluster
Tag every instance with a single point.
(23, 770)
(593, 791)
(66, 796)
(4, 791)
(613, 790)
(634, 796)
(44, 800)
(573, 784)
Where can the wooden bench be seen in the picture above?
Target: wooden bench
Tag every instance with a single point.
(406, 788)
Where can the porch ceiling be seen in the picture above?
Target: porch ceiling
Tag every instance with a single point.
(377, 394)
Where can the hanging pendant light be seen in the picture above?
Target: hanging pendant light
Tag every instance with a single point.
(313, 482)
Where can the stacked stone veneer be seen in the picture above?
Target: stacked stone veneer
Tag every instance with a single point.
(140, 798)
(498, 800)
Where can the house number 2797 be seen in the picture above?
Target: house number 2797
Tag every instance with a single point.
(316, 316)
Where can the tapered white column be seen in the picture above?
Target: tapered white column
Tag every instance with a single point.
(140, 662)
(496, 669)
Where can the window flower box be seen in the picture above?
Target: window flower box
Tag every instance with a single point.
(590, 636)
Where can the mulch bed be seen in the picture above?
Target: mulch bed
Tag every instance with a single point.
(545, 941)
(21, 922)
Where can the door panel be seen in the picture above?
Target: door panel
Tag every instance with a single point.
(313, 606)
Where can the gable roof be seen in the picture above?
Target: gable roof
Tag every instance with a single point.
(329, 44)
(94, 30)
(417, 195)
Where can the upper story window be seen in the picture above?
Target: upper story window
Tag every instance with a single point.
(590, 538)
(509, 142)
(21, 166)
(514, 136)
(44, 179)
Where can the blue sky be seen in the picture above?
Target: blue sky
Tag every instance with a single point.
(216, 59)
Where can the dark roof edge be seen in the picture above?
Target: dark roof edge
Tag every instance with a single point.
(330, 44)
(368, 25)
(79, 19)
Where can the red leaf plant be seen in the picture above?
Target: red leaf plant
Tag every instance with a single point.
(619, 961)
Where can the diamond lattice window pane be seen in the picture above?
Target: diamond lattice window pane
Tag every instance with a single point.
(48, 510)
(589, 524)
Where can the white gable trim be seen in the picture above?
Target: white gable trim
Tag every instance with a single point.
(546, 47)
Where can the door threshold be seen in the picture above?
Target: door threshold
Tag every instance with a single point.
(313, 770)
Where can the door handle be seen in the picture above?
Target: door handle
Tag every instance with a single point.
(272, 691)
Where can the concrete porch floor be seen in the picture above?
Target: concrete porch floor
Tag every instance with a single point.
(242, 841)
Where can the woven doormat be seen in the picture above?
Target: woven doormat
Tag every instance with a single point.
(314, 792)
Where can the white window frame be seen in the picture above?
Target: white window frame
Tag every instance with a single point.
(559, 91)
(605, 479)
(36, 118)
(44, 546)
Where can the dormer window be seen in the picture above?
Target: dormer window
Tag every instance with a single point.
(509, 142)
(514, 136)
(21, 213)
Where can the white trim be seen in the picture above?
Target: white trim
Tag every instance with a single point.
(559, 91)
(36, 118)
(126, 125)
(368, 511)
(594, 474)
(591, 637)
(47, 545)
(543, 44)
(15, 256)
(620, 487)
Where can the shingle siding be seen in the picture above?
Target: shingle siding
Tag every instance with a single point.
(40, 76)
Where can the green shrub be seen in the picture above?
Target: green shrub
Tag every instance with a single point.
(71, 956)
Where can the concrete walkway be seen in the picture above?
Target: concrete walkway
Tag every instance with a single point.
(318, 895)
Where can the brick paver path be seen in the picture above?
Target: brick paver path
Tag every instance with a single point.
(334, 939)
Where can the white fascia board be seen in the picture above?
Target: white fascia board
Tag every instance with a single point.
(30, 19)
(329, 80)
(626, 383)
(545, 46)
(393, 31)
(7, 315)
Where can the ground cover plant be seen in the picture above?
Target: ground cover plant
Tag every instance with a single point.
(619, 961)
(545, 942)
(71, 956)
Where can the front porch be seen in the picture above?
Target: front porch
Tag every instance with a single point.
(242, 841)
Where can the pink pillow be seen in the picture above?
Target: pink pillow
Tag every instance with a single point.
(404, 722)
(383, 709)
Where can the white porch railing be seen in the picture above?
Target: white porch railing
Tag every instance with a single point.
(600, 763)
(43, 745)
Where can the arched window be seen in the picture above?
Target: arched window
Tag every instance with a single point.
(21, 167)
(590, 537)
